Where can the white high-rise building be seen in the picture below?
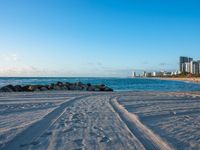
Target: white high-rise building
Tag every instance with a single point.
(134, 74)
(194, 67)
(182, 63)
(198, 66)
(187, 67)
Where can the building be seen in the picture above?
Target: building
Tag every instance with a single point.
(148, 74)
(187, 67)
(166, 74)
(157, 74)
(134, 74)
(175, 73)
(182, 65)
(194, 67)
(144, 74)
(199, 65)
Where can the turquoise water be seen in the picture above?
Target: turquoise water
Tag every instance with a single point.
(118, 84)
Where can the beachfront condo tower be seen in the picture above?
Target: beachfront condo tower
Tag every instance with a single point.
(183, 63)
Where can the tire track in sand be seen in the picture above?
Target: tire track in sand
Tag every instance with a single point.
(34, 131)
(149, 140)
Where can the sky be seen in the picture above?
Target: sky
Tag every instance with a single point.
(96, 38)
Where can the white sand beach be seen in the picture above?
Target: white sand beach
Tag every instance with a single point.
(99, 120)
(192, 79)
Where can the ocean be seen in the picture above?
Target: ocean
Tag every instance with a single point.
(118, 84)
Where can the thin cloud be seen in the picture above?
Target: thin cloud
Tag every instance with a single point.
(30, 71)
(9, 57)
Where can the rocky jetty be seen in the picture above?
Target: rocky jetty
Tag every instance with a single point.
(78, 86)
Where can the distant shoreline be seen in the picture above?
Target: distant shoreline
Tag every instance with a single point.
(192, 79)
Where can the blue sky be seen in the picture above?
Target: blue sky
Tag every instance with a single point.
(96, 37)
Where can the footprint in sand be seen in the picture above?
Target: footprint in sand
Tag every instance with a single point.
(35, 143)
(105, 139)
(79, 142)
(68, 130)
(95, 134)
(48, 133)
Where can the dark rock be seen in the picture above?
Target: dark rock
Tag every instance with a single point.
(65, 87)
(59, 84)
(78, 86)
(44, 88)
(91, 88)
(100, 87)
(30, 88)
(18, 88)
(107, 89)
(72, 87)
(96, 89)
(78, 83)
(67, 84)
(8, 88)
(88, 84)
(50, 87)
(56, 87)
(84, 87)
(26, 88)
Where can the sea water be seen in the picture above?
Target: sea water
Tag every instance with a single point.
(118, 84)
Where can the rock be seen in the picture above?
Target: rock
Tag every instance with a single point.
(26, 88)
(59, 84)
(72, 87)
(84, 87)
(18, 88)
(100, 87)
(50, 87)
(43, 88)
(31, 88)
(67, 84)
(56, 87)
(65, 87)
(107, 89)
(78, 86)
(91, 88)
(96, 89)
(8, 88)
(88, 84)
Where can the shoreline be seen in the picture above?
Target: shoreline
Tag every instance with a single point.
(192, 80)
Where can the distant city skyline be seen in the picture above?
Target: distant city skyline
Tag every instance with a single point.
(189, 65)
(108, 38)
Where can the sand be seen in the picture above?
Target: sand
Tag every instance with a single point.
(192, 79)
(92, 120)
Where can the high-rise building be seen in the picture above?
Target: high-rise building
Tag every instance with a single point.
(182, 64)
(198, 61)
(133, 74)
(194, 67)
(187, 67)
